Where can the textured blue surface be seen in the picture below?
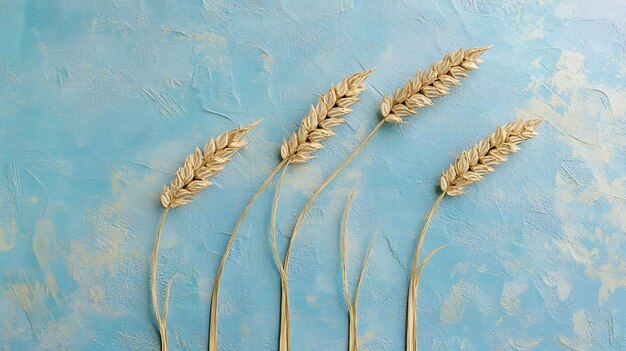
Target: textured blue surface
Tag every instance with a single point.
(101, 101)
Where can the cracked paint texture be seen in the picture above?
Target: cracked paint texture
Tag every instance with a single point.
(101, 101)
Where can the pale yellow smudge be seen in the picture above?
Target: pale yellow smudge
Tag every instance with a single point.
(116, 178)
(452, 306)
(597, 143)
(582, 330)
(523, 344)
(534, 30)
(244, 328)
(462, 345)
(7, 237)
(566, 9)
(267, 61)
(559, 282)
(34, 200)
(53, 288)
(311, 299)
(43, 248)
(499, 321)
(510, 299)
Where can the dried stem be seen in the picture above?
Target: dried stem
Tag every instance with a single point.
(155, 301)
(411, 319)
(352, 305)
(467, 169)
(319, 190)
(213, 344)
(316, 127)
(285, 325)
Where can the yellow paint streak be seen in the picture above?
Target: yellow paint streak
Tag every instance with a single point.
(452, 306)
(7, 237)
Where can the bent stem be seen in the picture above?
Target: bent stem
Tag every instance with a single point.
(352, 306)
(411, 318)
(155, 301)
(213, 344)
(284, 339)
(330, 178)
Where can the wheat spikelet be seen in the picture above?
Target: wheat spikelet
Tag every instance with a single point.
(436, 81)
(318, 123)
(480, 159)
(193, 176)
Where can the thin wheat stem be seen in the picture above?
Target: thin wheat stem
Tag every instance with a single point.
(358, 284)
(344, 273)
(352, 304)
(279, 264)
(284, 342)
(411, 336)
(213, 345)
(330, 178)
(420, 242)
(155, 301)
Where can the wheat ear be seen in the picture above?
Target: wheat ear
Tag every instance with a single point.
(469, 168)
(436, 81)
(352, 305)
(316, 126)
(188, 181)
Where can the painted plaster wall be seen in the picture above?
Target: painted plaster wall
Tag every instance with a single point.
(100, 101)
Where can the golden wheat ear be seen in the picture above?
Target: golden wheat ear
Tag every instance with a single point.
(193, 176)
(436, 81)
(328, 113)
(480, 159)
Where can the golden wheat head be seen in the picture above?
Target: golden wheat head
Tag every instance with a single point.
(480, 159)
(194, 175)
(436, 81)
(318, 123)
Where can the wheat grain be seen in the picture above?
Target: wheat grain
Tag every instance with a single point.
(468, 168)
(317, 125)
(188, 181)
(436, 81)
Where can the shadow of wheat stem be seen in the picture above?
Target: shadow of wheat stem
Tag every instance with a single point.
(469, 168)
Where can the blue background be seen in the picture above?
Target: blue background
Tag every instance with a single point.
(100, 101)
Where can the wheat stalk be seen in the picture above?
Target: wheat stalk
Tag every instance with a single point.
(188, 181)
(316, 126)
(432, 78)
(434, 82)
(352, 305)
(467, 169)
